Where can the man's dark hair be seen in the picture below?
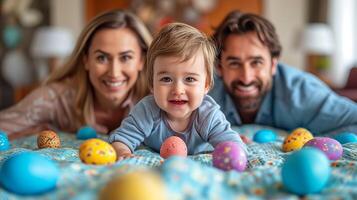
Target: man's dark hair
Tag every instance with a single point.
(240, 23)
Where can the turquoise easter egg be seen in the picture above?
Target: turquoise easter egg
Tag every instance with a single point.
(4, 141)
(86, 132)
(264, 136)
(28, 173)
(346, 137)
(306, 171)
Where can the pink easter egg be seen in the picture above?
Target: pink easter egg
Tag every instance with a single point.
(173, 146)
(332, 148)
(229, 156)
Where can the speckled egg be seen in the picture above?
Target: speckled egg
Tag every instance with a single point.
(296, 139)
(4, 141)
(48, 139)
(264, 136)
(332, 148)
(229, 156)
(97, 152)
(29, 173)
(136, 185)
(306, 171)
(86, 132)
(173, 146)
(346, 137)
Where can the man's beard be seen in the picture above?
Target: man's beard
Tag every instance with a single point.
(250, 103)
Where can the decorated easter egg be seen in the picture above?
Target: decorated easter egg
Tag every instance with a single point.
(136, 185)
(306, 171)
(346, 137)
(97, 152)
(29, 173)
(86, 132)
(329, 146)
(4, 141)
(264, 136)
(173, 146)
(48, 139)
(229, 156)
(296, 139)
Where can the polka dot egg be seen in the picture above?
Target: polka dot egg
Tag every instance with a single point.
(229, 156)
(329, 146)
(48, 139)
(296, 139)
(97, 152)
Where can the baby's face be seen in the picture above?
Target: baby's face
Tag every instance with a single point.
(179, 87)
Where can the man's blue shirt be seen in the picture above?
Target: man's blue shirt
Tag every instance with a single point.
(297, 99)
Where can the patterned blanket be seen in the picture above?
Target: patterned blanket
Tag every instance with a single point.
(262, 179)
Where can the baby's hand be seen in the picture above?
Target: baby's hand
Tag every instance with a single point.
(125, 156)
(123, 151)
(245, 139)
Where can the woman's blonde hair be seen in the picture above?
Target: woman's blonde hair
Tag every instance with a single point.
(75, 69)
(182, 41)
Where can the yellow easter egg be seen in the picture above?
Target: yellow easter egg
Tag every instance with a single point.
(137, 185)
(296, 139)
(97, 152)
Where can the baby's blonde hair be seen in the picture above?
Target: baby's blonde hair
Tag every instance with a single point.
(182, 41)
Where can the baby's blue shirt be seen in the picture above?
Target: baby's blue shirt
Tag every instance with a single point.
(147, 124)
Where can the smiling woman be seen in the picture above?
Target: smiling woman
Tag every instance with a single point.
(97, 86)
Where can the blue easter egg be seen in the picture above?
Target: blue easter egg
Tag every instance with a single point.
(4, 141)
(29, 173)
(86, 132)
(346, 137)
(306, 171)
(264, 136)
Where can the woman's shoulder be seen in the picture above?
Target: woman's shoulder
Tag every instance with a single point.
(53, 91)
(61, 86)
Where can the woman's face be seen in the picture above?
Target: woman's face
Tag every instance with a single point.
(113, 62)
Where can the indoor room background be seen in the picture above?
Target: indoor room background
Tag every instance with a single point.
(36, 36)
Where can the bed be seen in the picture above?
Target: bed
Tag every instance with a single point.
(262, 179)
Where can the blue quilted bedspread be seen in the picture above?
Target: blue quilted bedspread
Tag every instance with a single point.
(262, 179)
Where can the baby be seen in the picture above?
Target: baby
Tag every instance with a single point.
(180, 63)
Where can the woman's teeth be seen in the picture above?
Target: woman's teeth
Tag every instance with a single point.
(114, 84)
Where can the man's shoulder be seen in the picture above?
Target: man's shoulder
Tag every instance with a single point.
(291, 80)
(294, 89)
(218, 92)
